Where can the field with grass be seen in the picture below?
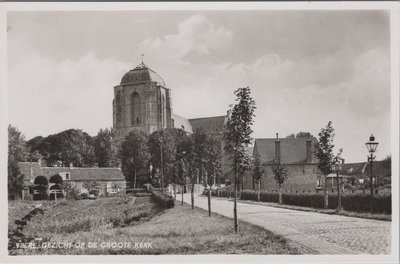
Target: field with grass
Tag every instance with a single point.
(136, 225)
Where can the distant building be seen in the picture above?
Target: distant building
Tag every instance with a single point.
(143, 101)
(109, 181)
(296, 154)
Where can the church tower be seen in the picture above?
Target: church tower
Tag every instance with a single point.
(141, 101)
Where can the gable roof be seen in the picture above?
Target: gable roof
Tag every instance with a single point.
(76, 173)
(86, 174)
(209, 124)
(293, 150)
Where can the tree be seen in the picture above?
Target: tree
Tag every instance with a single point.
(135, 157)
(280, 175)
(70, 146)
(162, 144)
(104, 153)
(17, 152)
(302, 134)
(257, 171)
(238, 134)
(212, 163)
(324, 153)
(183, 149)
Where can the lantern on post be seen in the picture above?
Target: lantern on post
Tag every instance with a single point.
(371, 146)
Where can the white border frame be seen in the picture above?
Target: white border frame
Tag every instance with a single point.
(142, 6)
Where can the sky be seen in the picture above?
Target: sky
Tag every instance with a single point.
(304, 68)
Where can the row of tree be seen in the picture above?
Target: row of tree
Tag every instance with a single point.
(178, 157)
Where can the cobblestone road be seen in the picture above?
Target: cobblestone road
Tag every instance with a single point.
(316, 233)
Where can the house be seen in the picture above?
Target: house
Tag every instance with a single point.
(47, 180)
(296, 154)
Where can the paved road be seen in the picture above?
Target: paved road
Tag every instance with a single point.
(315, 232)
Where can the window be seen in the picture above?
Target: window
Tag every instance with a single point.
(135, 109)
(163, 112)
(67, 176)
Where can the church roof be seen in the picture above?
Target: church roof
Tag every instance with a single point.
(182, 123)
(209, 124)
(293, 150)
(142, 73)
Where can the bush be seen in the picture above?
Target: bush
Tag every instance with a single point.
(308, 200)
(163, 200)
(269, 197)
(357, 202)
(249, 195)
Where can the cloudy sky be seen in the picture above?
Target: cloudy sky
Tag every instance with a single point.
(304, 68)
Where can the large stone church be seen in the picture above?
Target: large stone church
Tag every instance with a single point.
(143, 101)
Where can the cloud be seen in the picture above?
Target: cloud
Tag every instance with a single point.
(196, 36)
(48, 97)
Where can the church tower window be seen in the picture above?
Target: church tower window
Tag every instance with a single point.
(163, 112)
(135, 109)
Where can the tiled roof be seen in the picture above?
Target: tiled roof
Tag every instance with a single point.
(293, 150)
(76, 174)
(86, 174)
(140, 74)
(209, 124)
(181, 122)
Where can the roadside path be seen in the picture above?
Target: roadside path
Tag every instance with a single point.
(316, 233)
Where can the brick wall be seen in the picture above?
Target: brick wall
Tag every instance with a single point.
(301, 177)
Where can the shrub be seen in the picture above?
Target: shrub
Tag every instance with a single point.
(269, 197)
(357, 202)
(71, 192)
(163, 200)
(248, 195)
(304, 199)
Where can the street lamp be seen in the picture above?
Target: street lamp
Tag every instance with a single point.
(371, 146)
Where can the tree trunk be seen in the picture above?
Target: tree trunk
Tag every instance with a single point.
(134, 179)
(174, 186)
(280, 194)
(192, 195)
(235, 204)
(182, 195)
(339, 208)
(254, 185)
(325, 194)
(209, 202)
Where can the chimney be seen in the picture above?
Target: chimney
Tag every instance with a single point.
(308, 149)
(39, 161)
(277, 148)
(71, 165)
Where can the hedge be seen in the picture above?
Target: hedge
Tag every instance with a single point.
(163, 200)
(350, 202)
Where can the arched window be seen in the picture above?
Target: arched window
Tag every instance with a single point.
(135, 109)
(163, 112)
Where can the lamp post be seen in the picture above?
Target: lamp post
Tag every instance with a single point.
(371, 146)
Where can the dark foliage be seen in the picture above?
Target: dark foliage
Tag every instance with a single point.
(163, 200)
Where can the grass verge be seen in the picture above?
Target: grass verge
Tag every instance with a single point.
(179, 230)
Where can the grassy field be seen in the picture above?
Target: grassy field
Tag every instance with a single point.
(111, 226)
